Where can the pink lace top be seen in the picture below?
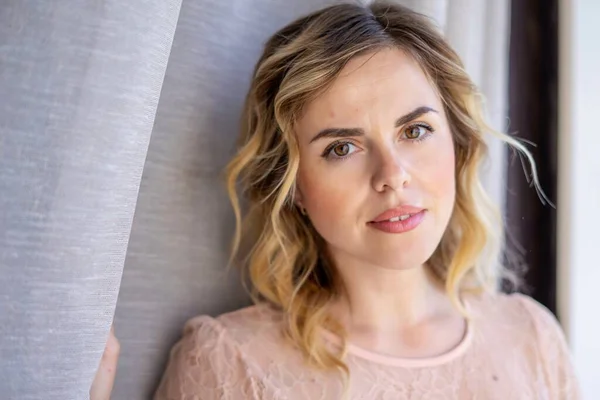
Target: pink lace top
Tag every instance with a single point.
(513, 349)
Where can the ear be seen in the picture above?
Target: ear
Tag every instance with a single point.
(298, 197)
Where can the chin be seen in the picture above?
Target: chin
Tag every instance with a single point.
(394, 256)
(407, 254)
(398, 263)
(387, 251)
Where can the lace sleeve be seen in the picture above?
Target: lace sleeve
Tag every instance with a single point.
(205, 365)
(554, 351)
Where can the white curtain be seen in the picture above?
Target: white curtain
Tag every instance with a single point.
(79, 87)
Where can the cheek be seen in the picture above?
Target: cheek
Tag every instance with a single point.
(441, 179)
(333, 201)
(433, 171)
(443, 176)
(322, 193)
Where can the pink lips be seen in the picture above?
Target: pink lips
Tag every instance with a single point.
(382, 222)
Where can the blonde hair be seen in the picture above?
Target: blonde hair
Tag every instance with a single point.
(286, 264)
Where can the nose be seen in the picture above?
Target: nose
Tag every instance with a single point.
(389, 172)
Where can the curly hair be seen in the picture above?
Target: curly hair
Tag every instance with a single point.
(285, 263)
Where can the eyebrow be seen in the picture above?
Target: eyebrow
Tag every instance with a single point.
(351, 132)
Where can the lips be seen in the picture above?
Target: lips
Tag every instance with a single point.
(398, 214)
(399, 220)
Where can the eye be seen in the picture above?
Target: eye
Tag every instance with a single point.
(417, 131)
(339, 150)
(342, 150)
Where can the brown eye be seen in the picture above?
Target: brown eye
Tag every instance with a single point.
(414, 132)
(341, 150)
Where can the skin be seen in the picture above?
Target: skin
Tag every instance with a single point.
(391, 304)
(105, 375)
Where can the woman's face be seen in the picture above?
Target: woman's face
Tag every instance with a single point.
(377, 168)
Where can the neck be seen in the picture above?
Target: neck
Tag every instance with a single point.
(386, 300)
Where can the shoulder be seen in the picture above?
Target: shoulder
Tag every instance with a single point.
(254, 318)
(515, 307)
(520, 323)
(242, 331)
(519, 317)
(252, 324)
(544, 323)
(541, 317)
(211, 358)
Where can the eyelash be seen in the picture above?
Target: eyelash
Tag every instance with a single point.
(422, 125)
(327, 152)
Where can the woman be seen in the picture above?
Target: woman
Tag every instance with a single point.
(374, 252)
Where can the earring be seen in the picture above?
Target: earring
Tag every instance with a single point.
(302, 210)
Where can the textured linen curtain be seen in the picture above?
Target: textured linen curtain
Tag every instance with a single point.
(79, 87)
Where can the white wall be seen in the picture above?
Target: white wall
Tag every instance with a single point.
(579, 187)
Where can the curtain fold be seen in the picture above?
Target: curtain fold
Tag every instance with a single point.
(79, 87)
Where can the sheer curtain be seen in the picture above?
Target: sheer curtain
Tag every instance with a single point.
(79, 87)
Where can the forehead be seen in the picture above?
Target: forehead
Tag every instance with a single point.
(387, 81)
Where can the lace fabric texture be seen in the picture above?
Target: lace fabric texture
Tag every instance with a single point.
(514, 349)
